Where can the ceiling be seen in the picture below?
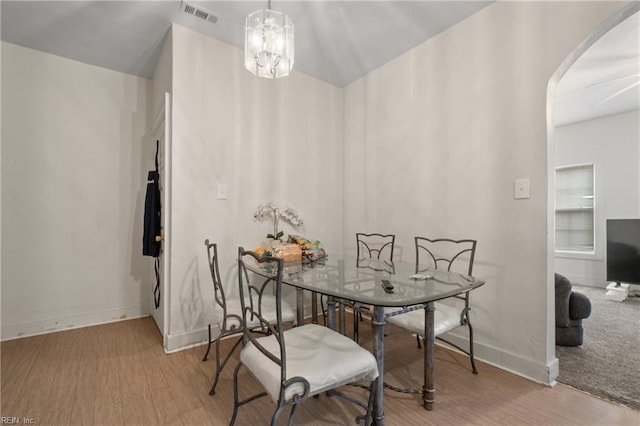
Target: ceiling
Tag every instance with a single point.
(335, 41)
(605, 80)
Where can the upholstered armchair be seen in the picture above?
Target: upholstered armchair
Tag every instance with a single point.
(571, 309)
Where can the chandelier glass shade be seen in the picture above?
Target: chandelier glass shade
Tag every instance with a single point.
(268, 44)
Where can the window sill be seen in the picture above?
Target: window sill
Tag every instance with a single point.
(584, 255)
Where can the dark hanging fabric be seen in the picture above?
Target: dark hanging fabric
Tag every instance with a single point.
(156, 290)
(152, 238)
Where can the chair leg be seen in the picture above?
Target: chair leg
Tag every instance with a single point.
(357, 317)
(212, 391)
(356, 326)
(324, 311)
(236, 403)
(221, 364)
(368, 415)
(372, 393)
(293, 410)
(206, 355)
(418, 339)
(471, 357)
(276, 414)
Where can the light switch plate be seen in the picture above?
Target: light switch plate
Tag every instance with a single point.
(222, 191)
(521, 189)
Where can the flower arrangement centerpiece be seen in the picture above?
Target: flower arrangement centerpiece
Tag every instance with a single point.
(270, 211)
(297, 248)
(276, 214)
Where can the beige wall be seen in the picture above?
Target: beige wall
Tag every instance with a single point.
(73, 185)
(268, 140)
(434, 141)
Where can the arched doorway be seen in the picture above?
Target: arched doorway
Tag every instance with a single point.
(625, 82)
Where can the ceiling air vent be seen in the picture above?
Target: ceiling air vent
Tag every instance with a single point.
(198, 11)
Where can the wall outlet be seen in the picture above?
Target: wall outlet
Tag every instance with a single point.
(521, 189)
(222, 191)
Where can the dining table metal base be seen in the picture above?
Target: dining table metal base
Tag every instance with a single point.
(377, 324)
(428, 389)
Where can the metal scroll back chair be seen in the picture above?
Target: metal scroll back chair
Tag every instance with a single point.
(452, 255)
(294, 364)
(376, 247)
(228, 323)
(228, 312)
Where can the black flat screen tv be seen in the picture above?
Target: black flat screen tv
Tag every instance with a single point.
(623, 251)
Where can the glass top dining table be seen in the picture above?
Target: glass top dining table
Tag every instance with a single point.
(346, 277)
(361, 280)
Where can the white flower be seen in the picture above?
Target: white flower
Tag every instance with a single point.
(290, 215)
(286, 213)
(263, 211)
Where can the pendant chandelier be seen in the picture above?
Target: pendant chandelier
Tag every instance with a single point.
(268, 43)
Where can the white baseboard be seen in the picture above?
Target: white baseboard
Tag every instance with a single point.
(513, 363)
(180, 341)
(516, 364)
(33, 328)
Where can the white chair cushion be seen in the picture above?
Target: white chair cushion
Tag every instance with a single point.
(325, 358)
(446, 318)
(268, 311)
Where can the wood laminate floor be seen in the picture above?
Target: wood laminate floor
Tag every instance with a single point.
(117, 374)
